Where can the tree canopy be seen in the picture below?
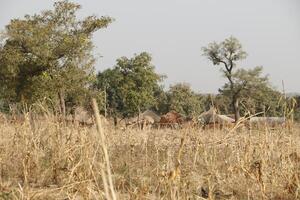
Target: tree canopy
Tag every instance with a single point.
(130, 85)
(242, 84)
(181, 98)
(48, 53)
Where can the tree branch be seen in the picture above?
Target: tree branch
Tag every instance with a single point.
(242, 87)
(222, 61)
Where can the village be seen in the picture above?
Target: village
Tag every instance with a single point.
(149, 100)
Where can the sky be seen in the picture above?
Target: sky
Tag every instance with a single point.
(174, 31)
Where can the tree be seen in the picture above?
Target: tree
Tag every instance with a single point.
(130, 86)
(297, 108)
(48, 54)
(253, 90)
(220, 102)
(227, 53)
(184, 100)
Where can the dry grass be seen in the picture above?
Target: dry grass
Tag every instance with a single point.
(46, 159)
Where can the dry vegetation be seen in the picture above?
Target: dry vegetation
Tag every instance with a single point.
(46, 159)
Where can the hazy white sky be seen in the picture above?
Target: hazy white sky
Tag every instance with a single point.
(174, 31)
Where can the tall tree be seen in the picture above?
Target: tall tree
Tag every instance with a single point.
(184, 100)
(253, 90)
(131, 85)
(48, 54)
(228, 53)
(297, 108)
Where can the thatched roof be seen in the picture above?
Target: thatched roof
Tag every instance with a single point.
(225, 118)
(150, 114)
(147, 115)
(211, 116)
(267, 120)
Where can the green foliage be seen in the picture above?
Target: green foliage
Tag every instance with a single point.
(253, 91)
(297, 108)
(49, 52)
(184, 100)
(131, 85)
(248, 87)
(227, 52)
(220, 102)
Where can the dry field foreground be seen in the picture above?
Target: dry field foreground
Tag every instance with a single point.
(50, 160)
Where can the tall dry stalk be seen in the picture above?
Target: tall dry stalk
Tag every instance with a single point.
(54, 161)
(112, 195)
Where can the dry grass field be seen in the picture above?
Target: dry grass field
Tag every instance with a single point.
(46, 159)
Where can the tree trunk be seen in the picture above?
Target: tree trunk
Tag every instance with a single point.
(236, 108)
(115, 121)
(62, 103)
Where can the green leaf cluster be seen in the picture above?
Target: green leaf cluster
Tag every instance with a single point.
(181, 98)
(49, 52)
(130, 85)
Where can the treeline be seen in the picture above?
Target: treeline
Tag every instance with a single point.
(47, 59)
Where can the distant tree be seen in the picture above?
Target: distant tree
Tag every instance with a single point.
(181, 98)
(251, 86)
(48, 55)
(262, 100)
(161, 106)
(130, 86)
(297, 108)
(241, 82)
(222, 103)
